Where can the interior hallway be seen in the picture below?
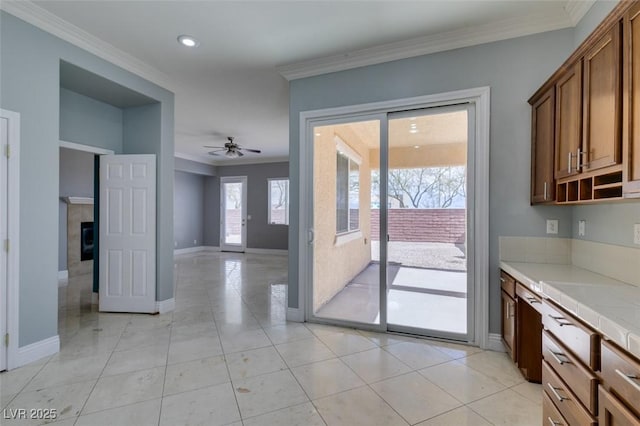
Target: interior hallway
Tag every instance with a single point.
(227, 356)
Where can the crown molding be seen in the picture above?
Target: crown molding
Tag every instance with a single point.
(47, 21)
(196, 158)
(248, 161)
(471, 36)
(577, 9)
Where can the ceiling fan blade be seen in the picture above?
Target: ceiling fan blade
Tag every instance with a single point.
(209, 146)
(214, 152)
(240, 154)
(257, 151)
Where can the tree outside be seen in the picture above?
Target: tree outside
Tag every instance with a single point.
(432, 187)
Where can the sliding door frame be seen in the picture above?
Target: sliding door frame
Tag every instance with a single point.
(479, 267)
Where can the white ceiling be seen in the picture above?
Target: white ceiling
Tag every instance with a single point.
(233, 83)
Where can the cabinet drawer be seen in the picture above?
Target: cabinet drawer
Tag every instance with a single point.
(508, 284)
(550, 414)
(577, 337)
(621, 374)
(613, 412)
(529, 297)
(581, 380)
(564, 399)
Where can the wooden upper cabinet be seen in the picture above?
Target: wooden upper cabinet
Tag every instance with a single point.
(631, 101)
(542, 146)
(568, 121)
(602, 103)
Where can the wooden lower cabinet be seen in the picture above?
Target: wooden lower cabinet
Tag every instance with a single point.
(550, 414)
(509, 324)
(613, 412)
(528, 334)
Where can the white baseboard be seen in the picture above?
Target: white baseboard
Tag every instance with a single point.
(35, 351)
(187, 250)
(164, 306)
(63, 275)
(95, 298)
(495, 343)
(197, 249)
(275, 252)
(295, 315)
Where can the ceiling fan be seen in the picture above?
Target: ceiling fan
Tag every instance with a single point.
(230, 149)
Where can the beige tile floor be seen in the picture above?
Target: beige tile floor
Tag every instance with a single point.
(226, 356)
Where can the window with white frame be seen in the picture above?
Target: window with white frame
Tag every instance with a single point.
(347, 189)
(278, 201)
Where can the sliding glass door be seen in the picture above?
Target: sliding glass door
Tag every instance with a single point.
(427, 250)
(389, 209)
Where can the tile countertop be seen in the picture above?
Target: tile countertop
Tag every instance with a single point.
(608, 305)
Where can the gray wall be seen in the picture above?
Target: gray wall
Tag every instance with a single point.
(188, 210)
(90, 122)
(605, 223)
(260, 234)
(76, 180)
(513, 69)
(30, 85)
(194, 167)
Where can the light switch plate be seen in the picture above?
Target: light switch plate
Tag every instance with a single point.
(582, 228)
(552, 226)
(636, 233)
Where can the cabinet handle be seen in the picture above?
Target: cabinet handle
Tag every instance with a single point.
(532, 300)
(555, 393)
(502, 280)
(510, 312)
(578, 162)
(554, 423)
(560, 320)
(557, 355)
(569, 162)
(629, 378)
(545, 191)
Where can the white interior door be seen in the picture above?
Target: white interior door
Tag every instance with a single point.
(233, 213)
(4, 189)
(127, 233)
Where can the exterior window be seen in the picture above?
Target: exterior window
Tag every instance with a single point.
(347, 194)
(278, 201)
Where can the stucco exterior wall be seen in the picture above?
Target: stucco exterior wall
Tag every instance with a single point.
(336, 265)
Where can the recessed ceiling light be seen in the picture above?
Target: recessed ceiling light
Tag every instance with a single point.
(413, 131)
(412, 118)
(187, 40)
(416, 146)
(318, 134)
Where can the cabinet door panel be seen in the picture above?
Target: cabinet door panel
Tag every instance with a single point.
(613, 412)
(631, 76)
(509, 324)
(602, 143)
(568, 121)
(542, 148)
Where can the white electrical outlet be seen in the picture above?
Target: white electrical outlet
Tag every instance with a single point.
(195, 241)
(636, 233)
(582, 228)
(552, 226)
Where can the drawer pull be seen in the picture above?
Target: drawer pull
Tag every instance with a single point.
(532, 300)
(629, 378)
(555, 390)
(502, 280)
(554, 423)
(561, 321)
(557, 355)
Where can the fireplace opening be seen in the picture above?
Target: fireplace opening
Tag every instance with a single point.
(86, 241)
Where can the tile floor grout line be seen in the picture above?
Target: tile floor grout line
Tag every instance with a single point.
(166, 363)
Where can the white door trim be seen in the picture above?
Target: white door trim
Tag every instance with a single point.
(243, 215)
(13, 256)
(480, 97)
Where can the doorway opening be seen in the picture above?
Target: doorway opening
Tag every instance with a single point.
(233, 213)
(391, 216)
